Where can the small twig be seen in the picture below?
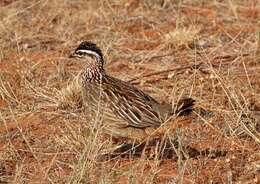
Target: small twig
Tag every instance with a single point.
(159, 56)
(159, 73)
(230, 57)
(197, 66)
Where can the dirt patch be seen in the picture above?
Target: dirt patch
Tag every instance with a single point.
(204, 49)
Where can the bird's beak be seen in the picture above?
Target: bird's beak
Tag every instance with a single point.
(72, 55)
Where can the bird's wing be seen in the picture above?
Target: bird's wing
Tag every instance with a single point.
(131, 104)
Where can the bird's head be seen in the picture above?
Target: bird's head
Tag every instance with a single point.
(89, 50)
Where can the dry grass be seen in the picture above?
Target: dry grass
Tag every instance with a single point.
(205, 49)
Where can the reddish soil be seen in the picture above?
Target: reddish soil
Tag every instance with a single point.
(41, 143)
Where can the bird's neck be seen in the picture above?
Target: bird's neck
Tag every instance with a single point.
(94, 72)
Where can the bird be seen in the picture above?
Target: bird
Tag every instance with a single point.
(124, 110)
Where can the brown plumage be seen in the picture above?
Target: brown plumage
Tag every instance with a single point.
(124, 110)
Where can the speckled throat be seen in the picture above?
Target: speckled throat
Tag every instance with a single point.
(93, 72)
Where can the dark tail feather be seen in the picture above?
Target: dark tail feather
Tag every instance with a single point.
(184, 106)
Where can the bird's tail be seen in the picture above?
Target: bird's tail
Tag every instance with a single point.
(184, 106)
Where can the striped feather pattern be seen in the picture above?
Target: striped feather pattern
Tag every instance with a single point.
(122, 102)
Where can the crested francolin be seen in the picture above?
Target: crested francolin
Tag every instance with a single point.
(123, 109)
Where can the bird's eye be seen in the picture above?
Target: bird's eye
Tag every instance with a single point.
(80, 53)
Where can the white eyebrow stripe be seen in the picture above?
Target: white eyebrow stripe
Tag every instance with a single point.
(90, 52)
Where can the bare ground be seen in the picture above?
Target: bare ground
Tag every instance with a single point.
(205, 49)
